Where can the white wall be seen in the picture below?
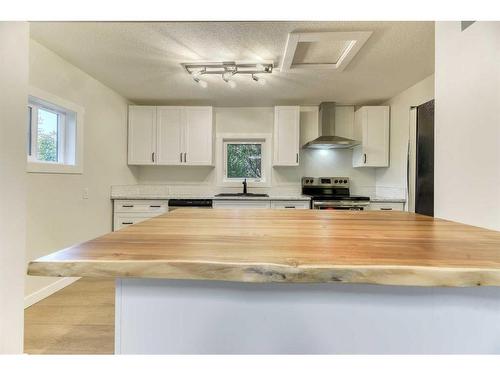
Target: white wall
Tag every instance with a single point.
(261, 120)
(58, 216)
(467, 123)
(14, 50)
(391, 182)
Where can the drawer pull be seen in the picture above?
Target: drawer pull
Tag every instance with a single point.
(152, 206)
(289, 206)
(128, 206)
(127, 223)
(385, 208)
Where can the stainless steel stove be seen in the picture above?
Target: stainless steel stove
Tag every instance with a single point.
(332, 193)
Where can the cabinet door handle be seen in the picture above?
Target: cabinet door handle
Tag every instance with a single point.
(154, 206)
(127, 223)
(386, 208)
(128, 206)
(297, 158)
(289, 206)
(180, 156)
(153, 157)
(185, 156)
(364, 158)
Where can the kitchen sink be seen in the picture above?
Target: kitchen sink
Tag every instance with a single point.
(241, 195)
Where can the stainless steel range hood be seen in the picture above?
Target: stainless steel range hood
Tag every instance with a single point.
(327, 138)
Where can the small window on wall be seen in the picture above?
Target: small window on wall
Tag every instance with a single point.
(243, 155)
(54, 132)
(243, 160)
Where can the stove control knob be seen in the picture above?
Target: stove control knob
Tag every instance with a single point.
(345, 181)
(336, 181)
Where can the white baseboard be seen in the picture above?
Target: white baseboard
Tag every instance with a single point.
(48, 290)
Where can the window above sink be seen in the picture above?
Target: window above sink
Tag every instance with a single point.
(243, 156)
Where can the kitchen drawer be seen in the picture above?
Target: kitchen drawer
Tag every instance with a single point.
(386, 206)
(122, 220)
(139, 205)
(298, 205)
(241, 204)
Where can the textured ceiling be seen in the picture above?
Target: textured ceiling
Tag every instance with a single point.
(141, 60)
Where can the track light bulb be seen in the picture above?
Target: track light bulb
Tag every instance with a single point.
(203, 84)
(226, 76)
(260, 80)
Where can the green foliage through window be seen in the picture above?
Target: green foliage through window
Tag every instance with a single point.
(244, 160)
(47, 135)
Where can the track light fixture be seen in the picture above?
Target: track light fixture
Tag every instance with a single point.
(228, 70)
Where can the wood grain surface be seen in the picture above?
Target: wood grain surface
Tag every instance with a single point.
(395, 248)
(78, 319)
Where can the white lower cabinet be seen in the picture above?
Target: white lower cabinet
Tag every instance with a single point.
(298, 205)
(241, 204)
(128, 212)
(304, 205)
(121, 220)
(386, 206)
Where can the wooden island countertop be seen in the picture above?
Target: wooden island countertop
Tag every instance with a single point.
(259, 245)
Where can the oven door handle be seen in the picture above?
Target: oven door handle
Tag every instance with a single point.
(324, 204)
(337, 204)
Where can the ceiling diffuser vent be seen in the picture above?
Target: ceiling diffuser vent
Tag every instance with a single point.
(324, 50)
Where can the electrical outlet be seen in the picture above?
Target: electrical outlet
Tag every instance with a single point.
(86, 193)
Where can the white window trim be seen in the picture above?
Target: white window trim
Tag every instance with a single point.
(33, 166)
(264, 138)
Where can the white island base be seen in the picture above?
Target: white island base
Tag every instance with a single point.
(158, 316)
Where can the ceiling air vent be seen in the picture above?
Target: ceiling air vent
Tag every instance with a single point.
(324, 50)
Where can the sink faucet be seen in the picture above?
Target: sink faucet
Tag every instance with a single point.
(245, 186)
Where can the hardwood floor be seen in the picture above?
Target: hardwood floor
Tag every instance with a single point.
(78, 319)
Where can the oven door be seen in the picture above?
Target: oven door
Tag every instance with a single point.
(336, 205)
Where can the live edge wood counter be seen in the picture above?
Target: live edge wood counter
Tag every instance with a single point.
(393, 248)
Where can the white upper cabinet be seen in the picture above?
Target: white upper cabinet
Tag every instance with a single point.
(170, 125)
(371, 128)
(198, 136)
(142, 135)
(180, 136)
(344, 121)
(286, 135)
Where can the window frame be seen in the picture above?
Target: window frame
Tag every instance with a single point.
(264, 139)
(70, 127)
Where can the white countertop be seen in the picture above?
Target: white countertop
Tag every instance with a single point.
(213, 197)
(206, 192)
